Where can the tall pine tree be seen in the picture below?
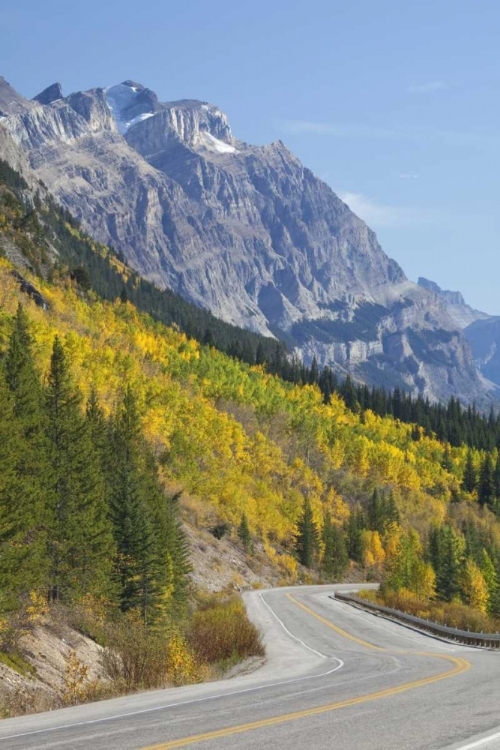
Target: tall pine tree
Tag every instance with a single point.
(138, 564)
(81, 537)
(28, 539)
(307, 536)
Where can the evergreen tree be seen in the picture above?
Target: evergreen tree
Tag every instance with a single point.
(490, 575)
(244, 534)
(33, 518)
(446, 551)
(177, 549)
(20, 564)
(139, 567)
(354, 532)
(335, 558)
(376, 512)
(97, 424)
(497, 475)
(307, 536)
(391, 512)
(486, 487)
(446, 461)
(80, 543)
(469, 479)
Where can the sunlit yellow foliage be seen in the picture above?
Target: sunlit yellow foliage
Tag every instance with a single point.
(290, 447)
(374, 553)
(181, 663)
(474, 588)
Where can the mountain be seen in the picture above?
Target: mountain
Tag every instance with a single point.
(484, 339)
(243, 230)
(481, 330)
(462, 313)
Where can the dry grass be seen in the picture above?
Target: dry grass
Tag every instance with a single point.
(451, 614)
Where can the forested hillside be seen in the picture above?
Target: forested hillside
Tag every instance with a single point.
(111, 421)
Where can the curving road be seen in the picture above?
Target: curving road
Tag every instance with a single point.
(335, 677)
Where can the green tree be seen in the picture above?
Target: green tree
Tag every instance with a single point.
(469, 479)
(446, 552)
(144, 570)
(490, 575)
(20, 572)
(244, 534)
(28, 540)
(335, 558)
(354, 533)
(486, 486)
(81, 541)
(307, 536)
(177, 550)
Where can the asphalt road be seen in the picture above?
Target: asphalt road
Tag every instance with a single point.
(335, 677)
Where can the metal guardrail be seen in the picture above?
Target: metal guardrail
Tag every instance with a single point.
(489, 640)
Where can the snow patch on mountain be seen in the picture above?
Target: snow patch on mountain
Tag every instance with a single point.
(212, 143)
(120, 99)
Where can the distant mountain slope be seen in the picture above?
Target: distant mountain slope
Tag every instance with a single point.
(481, 330)
(246, 231)
(462, 313)
(484, 339)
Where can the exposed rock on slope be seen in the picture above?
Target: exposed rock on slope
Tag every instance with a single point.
(484, 339)
(246, 231)
(461, 313)
(481, 330)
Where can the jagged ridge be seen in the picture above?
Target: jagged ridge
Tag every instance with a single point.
(246, 231)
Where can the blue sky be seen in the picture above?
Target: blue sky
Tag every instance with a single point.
(395, 104)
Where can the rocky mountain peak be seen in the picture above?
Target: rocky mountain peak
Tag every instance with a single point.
(195, 124)
(92, 105)
(51, 94)
(12, 103)
(245, 231)
(130, 103)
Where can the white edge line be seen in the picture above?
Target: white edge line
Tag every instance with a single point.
(479, 743)
(194, 700)
(323, 656)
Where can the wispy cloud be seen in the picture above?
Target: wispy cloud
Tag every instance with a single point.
(471, 139)
(427, 88)
(337, 129)
(385, 215)
(408, 176)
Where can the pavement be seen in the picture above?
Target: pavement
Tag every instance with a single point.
(334, 677)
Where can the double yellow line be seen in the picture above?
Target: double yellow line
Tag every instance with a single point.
(460, 665)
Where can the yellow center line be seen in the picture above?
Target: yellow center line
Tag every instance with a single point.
(460, 665)
(330, 625)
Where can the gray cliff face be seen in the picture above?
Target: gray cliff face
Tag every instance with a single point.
(246, 231)
(462, 313)
(482, 331)
(484, 339)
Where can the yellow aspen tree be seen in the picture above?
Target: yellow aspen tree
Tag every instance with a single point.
(374, 553)
(474, 588)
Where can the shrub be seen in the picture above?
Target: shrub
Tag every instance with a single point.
(141, 658)
(222, 631)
